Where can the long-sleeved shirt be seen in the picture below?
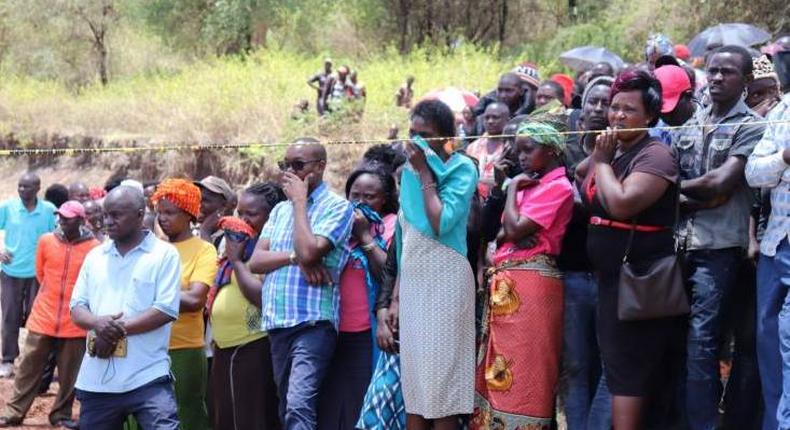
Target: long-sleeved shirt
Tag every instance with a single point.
(767, 169)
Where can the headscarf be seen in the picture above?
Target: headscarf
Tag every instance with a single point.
(182, 193)
(658, 45)
(543, 134)
(235, 224)
(600, 80)
(372, 286)
(225, 271)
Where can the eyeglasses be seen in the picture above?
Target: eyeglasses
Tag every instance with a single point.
(296, 165)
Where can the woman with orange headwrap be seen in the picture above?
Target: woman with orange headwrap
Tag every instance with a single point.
(177, 203)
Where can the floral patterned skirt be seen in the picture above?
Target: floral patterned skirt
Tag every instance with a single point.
(519, 358)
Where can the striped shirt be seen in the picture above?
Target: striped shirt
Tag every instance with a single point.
(767, 169)
(287, 299)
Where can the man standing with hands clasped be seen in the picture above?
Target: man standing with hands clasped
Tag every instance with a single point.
(127, 296)
(302, 251)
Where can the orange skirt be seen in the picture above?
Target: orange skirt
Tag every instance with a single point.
(519, 360)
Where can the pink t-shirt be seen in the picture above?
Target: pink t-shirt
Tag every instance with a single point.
(550, 205)
(354, 308)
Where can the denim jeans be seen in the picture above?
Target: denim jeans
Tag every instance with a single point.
(712, 274)
(773, 336)
(153, 406)
(588, 404)
(300, 357)
(742, 399)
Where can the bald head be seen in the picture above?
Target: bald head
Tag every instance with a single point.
(126, 197)
(124, 210)
(499, 108)
(306, 158)
(495, 117)
(311, 147)
(79, 191)
(30, 177)
(28, 187)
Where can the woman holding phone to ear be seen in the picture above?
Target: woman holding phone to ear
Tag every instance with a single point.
(436, 282)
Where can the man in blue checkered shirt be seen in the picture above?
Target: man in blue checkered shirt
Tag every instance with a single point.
(302, 250)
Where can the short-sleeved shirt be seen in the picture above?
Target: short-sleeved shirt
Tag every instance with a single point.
(704, 146)
(605, 245)
(354, 305)
(287, 299)
(198, 264)
(148, 276)
(234, 320)
(550, 205)
(22, 230)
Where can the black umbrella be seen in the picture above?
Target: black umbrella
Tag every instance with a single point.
(585, 57)
(727, 34)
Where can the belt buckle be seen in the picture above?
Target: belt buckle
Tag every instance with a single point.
(596, 220)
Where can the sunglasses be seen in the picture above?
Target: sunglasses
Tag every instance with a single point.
(235, 236)
(296, 165)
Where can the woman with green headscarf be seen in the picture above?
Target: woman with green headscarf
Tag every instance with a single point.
(518, 363)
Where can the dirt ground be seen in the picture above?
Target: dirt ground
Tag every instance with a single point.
(37, 418)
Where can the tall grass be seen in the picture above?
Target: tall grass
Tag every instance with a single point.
(232, 99)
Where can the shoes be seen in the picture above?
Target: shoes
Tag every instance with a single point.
(69, 424)
(10, 422)
(6, 370)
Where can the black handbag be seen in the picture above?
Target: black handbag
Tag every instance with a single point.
(651, 289)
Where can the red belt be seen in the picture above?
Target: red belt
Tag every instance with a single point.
(625, 226)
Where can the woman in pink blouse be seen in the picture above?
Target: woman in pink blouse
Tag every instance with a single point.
(374, 194)
(518, 367)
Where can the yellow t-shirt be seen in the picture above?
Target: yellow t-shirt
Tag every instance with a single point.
(234, 320)
(198, 264)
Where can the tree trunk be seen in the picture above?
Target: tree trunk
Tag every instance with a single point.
(403, 25)
(102, 53)
(503, 23)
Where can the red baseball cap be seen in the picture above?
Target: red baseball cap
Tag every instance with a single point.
(71, 209)
(682, 52)
(674, 82)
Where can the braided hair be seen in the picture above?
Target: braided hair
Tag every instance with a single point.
(270, 192)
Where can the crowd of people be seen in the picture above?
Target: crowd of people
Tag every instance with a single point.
(335, 91)
(615, 246)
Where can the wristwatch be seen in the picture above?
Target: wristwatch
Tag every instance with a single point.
(292, 258)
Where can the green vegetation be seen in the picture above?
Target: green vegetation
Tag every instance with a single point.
(231, 70)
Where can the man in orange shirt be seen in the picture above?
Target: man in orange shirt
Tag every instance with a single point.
(59, 257)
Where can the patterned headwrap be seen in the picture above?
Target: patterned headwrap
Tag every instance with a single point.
(182, 193)
(528, 73)
(225, 267)
(764, 68)
(542, 133)
(658, 45)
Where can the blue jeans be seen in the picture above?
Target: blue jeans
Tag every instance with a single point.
(153, 406)
(712, 276)
(773, 336)
(588, 404)
(301, 356)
